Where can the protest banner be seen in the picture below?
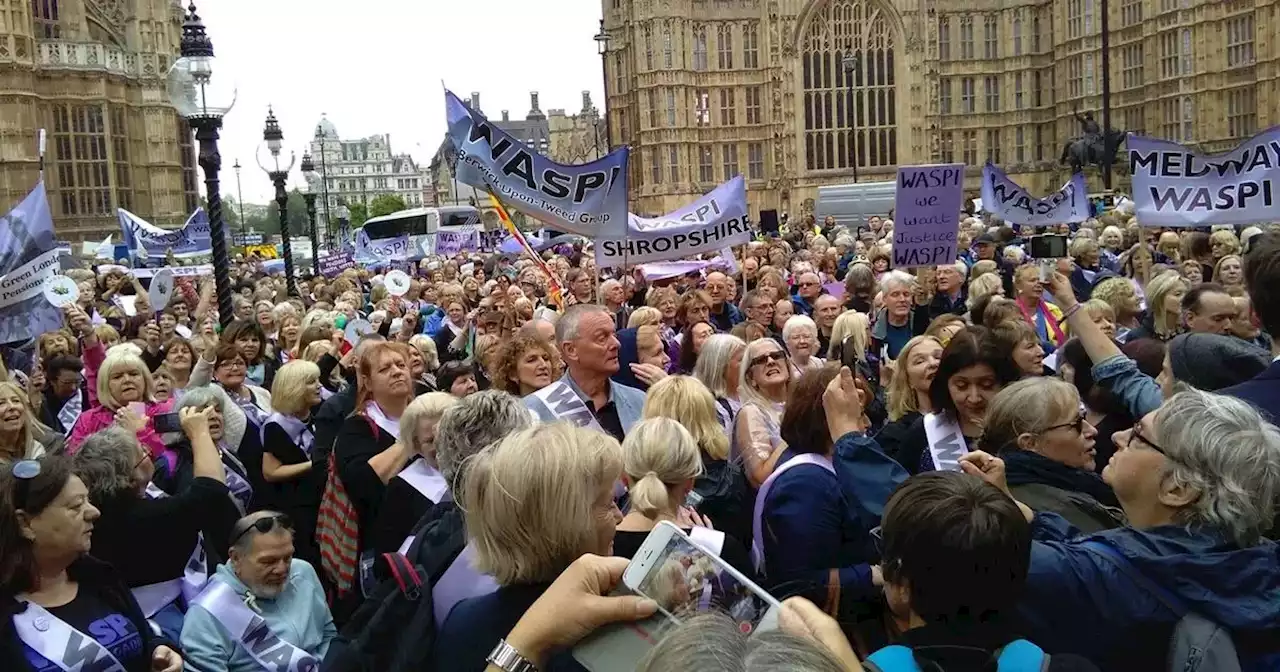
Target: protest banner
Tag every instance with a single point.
(28, 258)
(927, 205)
(1010, 202)
(450, 243)
(332, 265)
(148, 241)
(661, 270)
(383, 249)
(589, 199)
(1177, 186)
(718, 219)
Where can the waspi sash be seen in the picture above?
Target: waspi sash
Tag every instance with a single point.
(565, 404)
(946, 442)
(61, 644)
(251, 632)
(156, 596)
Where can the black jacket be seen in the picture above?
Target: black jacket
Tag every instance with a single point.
(92, 575)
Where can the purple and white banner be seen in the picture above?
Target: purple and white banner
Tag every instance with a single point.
(1010, 202)
(1174, 185)
(332, 265)
(718, 219)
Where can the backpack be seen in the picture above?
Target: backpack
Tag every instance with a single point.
(1197, 644)
(394, 630)
(1016, 656)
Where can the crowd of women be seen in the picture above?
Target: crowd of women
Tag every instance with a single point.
(1076, 454)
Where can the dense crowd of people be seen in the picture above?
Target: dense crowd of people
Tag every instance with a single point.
(1061, 464)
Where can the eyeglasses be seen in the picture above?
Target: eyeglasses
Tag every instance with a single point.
(232, 363)
(145, 457)
(25, 472)
(1077, 425)
(1137, 434)
(264, 525)
(774, 356)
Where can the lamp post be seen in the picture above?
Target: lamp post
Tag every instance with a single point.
(324, 177)
(273, 139)
(1108, 149)
(850, 63)
(602, 45)
(204, 101)
(344, 226)
(309, 195)
(240, 195)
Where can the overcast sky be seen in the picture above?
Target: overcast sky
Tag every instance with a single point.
(376, 66)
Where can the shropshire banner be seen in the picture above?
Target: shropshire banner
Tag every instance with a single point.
(1007, 200)
(147, 240)
(715, 221)
(28, 257)
(588, 199)
(1176, 186)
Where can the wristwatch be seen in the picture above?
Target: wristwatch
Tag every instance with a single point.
(507, 658)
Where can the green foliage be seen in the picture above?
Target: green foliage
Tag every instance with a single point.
(359, 214)
(296, 213)
(385, 204)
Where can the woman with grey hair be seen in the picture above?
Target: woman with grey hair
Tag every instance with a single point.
(1198, 480)
(154, 540)
(717, 368)
(175, 471)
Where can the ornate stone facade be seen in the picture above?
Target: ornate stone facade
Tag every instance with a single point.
(91, 73)
(360, 170)
(703, 90)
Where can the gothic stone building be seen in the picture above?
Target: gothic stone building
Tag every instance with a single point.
(795, 94)
(92, 73)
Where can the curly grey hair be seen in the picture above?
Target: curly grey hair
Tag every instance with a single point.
(471, 425)
(201, 397)
(106, 461)
(1222, 448)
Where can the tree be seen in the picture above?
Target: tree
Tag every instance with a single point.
(385, 204)
(359, 213)
(299, 222)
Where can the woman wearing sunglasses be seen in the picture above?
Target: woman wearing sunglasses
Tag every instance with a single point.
(764, 384)
(52, 592)
(1038, 426)
(1198, 480)
(160, 544)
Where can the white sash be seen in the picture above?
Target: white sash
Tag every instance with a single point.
(459, 582)
(252, 633)
(565, 404)
(711, 541)
(156, 596)
(428, 481)
(297, 430)
(70, 412)
(946, 442)
(374, 412)
(61, 644)
(757, 522)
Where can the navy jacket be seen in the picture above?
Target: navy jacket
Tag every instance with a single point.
(476, 624)
(1263, 391)
(728, 316)
(1079, 601)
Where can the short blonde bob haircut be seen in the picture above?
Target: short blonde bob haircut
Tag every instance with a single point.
(901, 396)
(530, 500)
(119, 361)
(658, 455)
(644, 316)
(430, 406)
(687, 401)
(289, 389)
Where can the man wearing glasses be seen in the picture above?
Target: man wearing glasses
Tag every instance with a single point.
(62, 400)
(808, 289)
(238, 623)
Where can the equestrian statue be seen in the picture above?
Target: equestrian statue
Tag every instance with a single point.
(1093, 147)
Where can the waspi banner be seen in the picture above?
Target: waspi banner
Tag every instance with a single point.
(147, 240)
(1175, 186)
(713, 222)
(588, 199)
(1010, 202)
(28, 257)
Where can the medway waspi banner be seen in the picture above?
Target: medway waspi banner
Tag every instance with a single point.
(713, 222)
(1175, 186)
(147, 240)
(588, 199)
(1007, 200)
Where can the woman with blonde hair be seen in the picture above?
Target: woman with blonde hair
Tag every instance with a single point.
(661, 463)
(855, 327)
(718, 369)
(22, 436)
(1229, 272)
(420, 485)
(643, 317)
(1123, 299)
(667, 302)
(288, 444)
(430, 358)
(764, 385)
(1164, 308)
(984, 285)
(535, 502)
(721, 490)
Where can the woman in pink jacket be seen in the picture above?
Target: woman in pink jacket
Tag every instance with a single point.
(120, 392)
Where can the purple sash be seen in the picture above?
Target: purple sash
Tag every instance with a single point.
(461, 581)
(298, 431)
(251, 632)
(757, 528)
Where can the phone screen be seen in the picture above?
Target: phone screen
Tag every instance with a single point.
(166, 422)
(685, 580)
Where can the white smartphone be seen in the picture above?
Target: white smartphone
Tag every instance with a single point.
(685, 580)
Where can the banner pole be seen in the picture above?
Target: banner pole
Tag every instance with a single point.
(40, 148)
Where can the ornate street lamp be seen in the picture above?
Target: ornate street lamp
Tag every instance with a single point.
(602, 45)
(324, 177)
(273, 140)
(204, 100)
(309, 194)
(851, 63)
(344, 227)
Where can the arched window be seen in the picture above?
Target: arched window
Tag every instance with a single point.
(850, 110)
